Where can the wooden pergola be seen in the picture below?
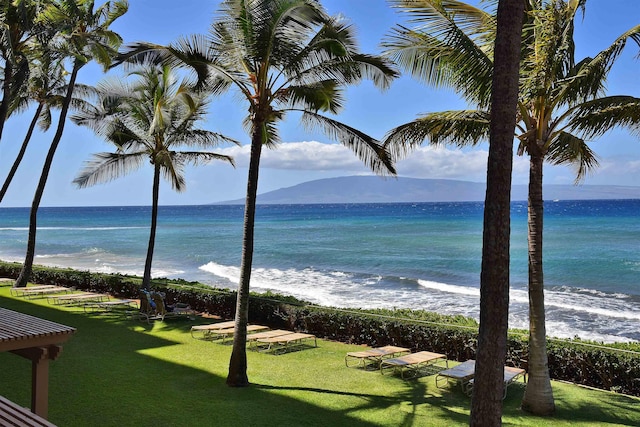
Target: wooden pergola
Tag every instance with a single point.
(38, 340)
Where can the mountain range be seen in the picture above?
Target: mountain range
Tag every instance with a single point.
(373, 189)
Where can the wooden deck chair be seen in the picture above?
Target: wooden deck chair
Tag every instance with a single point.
(203, 331)
(83, 297)
(121, 306)
(511, 375)
(413, 363)
(461, 373)
(464, 373)
(41, 291)
(285, 342)
(253, 338)
(373, 355)
(225, 333)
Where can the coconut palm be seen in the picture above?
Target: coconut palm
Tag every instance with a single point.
(281, 56)
(148, 120)
(18, 27)
(561, 106)
(83, 35)
(46, 87)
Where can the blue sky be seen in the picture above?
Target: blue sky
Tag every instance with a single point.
(303, 156)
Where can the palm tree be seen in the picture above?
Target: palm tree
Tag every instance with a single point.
(281, 56)
(46, 87)
(148, 120)
(18, 26)
(561, 106)
(83, 34)
(486, 403)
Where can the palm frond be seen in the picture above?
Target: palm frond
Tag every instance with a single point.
(449, 47)
(106, 167)
(587, 79)
(196, 158)
(460, 128)
(569, 149)
(594, 118)
(201, 138)
(319, 96)
(366, 148)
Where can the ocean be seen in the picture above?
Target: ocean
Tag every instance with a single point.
(419, 256)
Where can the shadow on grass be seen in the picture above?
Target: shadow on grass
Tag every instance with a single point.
(114, 372)
(410, 402)
(573, 409)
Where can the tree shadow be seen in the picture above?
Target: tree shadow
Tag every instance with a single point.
(114, 372)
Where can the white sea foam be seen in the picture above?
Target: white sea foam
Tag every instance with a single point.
(568, 313)
(452, 289)
(103, 261)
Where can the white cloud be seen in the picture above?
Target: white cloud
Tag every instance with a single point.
(428, 162)
(308, 155)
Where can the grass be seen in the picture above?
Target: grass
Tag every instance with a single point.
(119, 372)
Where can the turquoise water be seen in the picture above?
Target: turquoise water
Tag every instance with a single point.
(424, 255)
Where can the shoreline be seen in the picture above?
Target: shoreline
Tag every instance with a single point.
(256, 288)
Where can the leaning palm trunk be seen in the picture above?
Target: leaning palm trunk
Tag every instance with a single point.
(538, 397)
(25, 273)
(20, 156)
(237, 376)
(6, 94)
(146, 278)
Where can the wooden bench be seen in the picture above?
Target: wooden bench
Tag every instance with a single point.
(12, 414)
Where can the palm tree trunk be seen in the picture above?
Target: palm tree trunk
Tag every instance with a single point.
(20, 156)
(538, 396)
(488, 389)
(25, 273)
(6, 93)
(237, 376)
(146, 278)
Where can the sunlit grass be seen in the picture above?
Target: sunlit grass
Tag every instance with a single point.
(121, 372)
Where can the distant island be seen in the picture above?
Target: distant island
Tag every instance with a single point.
(373, 189)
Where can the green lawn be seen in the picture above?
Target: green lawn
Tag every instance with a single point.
(118, 372)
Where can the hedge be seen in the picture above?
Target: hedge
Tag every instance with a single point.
(592, 364)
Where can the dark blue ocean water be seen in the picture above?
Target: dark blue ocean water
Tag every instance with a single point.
(424, 255)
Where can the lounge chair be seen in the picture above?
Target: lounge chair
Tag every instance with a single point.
(205, 330)
(41, 291)
(83, 297)
(18, 291)
(464, 373)
(285, 342)
(229, 332)
(413, 363)
(373, 355)
(252, 339)
(110, 306)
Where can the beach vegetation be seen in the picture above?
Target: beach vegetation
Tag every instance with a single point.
(152, 116)
(562, 106)
(81, 34)
(281, 56)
